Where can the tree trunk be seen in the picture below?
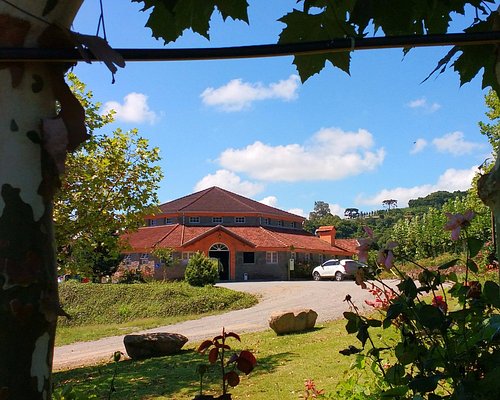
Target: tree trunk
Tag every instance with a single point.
(33, 144)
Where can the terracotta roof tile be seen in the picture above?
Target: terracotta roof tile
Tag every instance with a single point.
(265, 238)
(219, 201)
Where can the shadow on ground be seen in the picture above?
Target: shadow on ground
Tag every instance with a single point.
(163, 376)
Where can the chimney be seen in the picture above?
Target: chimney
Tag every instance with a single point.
(327, 233)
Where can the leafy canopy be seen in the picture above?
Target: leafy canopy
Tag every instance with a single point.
(315, 20)
(109, 186)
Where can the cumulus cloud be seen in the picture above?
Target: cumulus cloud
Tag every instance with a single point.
(450, 180)
(298, 211)
(238, 95)
(424, 105)
(336, 209)
(135, 108)
(230, 181)
(331, 154)
(455, 144)
(269, 201)
(418, 146)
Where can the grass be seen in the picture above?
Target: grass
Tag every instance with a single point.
(99, 310)
(283, 365)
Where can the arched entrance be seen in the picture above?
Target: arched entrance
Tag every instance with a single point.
(221, 252)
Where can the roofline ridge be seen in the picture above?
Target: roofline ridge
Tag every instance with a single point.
(188, 195)
(256, 201)
(167, 234)
(273, 234)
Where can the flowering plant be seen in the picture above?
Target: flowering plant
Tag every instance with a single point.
(244, 361)
(448, 328)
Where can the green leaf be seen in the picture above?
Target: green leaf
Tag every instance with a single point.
(472, 265)
(408, 287)
(352, 326)
(363, 334)
(397, 392)
(374, 323)
(235, 9)
(424, 384)
(394, 375)
(393, 311)
(302, 27)
(448, 264)
(491, 292)
(406, 353)
(475, 245)
(429, 316)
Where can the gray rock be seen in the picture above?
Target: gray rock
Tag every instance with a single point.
(153, 344)
(292, 321)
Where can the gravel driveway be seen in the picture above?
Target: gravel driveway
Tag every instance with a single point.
(325, 297)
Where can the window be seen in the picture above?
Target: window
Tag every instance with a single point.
(293, 224)
(267, 221)
(307, 257)
(239, 220)
(187, 255)
(144, 258)
(271, 257)
(248, 257)
(194, 220)
(321, 258)
(152, 222)
(293, 255)
(127, 260)
(217, 220)
(168, 221)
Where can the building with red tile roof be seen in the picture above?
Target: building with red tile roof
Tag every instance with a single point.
(250, 239)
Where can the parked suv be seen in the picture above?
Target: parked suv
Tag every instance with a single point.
(336, 269)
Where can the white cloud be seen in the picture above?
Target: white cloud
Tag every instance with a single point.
(238, 95)
(135, 108)
(450, 180)
(422, 104)
(229, 181)
(336, 209)
(331, 154)
(298, 211)
(271, 201)
(418, 146)
(455, 144)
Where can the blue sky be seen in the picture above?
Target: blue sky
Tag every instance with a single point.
(251, 127)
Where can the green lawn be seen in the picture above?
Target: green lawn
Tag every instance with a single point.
(101, 310)
(283, 365)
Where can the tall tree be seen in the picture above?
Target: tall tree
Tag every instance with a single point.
(109, 185)
(34, 137)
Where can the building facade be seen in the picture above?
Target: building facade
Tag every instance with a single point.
(251, 240)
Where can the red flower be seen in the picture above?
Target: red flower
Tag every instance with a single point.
(439, 302)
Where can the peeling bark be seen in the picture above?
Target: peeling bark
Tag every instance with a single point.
(33, 143)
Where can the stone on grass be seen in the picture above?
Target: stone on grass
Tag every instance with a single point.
(283, 322)
(153, 344)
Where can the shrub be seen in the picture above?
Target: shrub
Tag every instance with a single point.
(201, 270)
(448, 345)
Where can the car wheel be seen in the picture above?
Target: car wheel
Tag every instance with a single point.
(316, 276)
(338, 276)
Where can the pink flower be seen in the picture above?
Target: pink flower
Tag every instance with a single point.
(439, 302)
(386, 256)
(458, 221)
(365, 244)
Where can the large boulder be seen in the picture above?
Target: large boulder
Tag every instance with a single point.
(153, 344)
(283, 322)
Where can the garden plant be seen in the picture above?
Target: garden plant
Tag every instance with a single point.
(244, 361)
(448, 324)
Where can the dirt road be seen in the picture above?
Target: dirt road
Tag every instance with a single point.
(325, 297)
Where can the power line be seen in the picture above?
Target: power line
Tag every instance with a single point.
(258, 51)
